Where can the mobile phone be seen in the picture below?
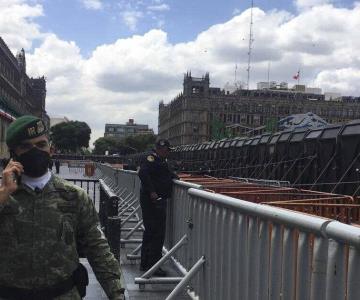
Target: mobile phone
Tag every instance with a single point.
(16, 177)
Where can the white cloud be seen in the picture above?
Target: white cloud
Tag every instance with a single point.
(340, 80)
(17, 24)
(131, 18)
(92, 4)
(160, 23)
(132, 12)
(56, 59)
(126, 79)
(159, 7)
(306, 4)
(236, 11)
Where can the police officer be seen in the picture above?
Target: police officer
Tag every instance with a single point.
(45, 222)
(156, 187)
(57, 166)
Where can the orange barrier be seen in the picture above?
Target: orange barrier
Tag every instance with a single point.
(343, 208)
(89, 169)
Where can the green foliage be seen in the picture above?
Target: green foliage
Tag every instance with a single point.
(85, 151)
(140, 142)
(219, 131)
(70, 136)
(103, 144)
(271, 125)
(131, 144)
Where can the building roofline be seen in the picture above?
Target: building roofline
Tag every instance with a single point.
(9, 54)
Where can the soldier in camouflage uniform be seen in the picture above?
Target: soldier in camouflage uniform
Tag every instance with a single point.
(45, 222)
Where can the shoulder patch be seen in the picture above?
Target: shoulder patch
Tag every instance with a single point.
(150, 158)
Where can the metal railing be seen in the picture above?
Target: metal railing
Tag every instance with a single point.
(109, 219)
(259, 252)
(226, 248)
(127, 214)
(91, 186)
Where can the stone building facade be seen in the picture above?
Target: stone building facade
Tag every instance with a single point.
(19, 94)
(124, 130)
(201, 112)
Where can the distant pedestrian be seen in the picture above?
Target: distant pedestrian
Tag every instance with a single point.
(57, 166)
(51, 164)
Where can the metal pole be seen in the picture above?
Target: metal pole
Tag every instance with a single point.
(148, 273)
(130, 215)
(134, 229)
(347, 170)
(157, 280)
(182, 284)
(133, 255)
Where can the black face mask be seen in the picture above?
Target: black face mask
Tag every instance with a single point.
(34, 161)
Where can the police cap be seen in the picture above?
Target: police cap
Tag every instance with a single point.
(23, 128)
(163, 143)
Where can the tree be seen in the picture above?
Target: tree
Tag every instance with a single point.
(104, 144)
(140, 142)
(70, 136)
(130, 144)
(218, 129)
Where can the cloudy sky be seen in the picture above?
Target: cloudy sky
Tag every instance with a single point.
(110, 60)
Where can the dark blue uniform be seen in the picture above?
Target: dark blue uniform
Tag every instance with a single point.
(155, 176)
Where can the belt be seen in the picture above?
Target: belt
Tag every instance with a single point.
(13, 293)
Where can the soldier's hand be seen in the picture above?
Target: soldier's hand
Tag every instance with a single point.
(9, 183)
(153, 196)
(122, 296)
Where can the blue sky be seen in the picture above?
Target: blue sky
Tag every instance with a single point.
(183, 20)
(107, 61)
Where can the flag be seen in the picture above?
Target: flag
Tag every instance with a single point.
(297, 75)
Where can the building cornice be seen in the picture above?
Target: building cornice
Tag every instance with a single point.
(9, 54)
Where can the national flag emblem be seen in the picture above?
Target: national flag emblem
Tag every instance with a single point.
(297, 75)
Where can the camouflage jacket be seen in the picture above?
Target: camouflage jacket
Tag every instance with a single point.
(42, 233)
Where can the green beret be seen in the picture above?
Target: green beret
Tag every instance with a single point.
(23, 128)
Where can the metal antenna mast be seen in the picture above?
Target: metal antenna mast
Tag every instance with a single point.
(235, 78)
(250, 44)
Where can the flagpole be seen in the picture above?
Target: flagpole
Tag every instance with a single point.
(299, 77)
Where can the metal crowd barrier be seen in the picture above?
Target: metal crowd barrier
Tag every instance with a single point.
(227, 248)
(255, 251)
(125, 187)
(75, 166)
(108, 216)
(91, 186)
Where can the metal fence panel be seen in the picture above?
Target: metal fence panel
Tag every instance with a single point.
(255, 251)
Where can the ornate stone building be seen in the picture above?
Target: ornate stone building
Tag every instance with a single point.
(19, 94)
(201, 113)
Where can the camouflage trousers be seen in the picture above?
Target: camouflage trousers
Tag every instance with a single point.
(73, 294)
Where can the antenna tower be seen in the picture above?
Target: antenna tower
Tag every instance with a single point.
(251, 40)
(235, 77)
